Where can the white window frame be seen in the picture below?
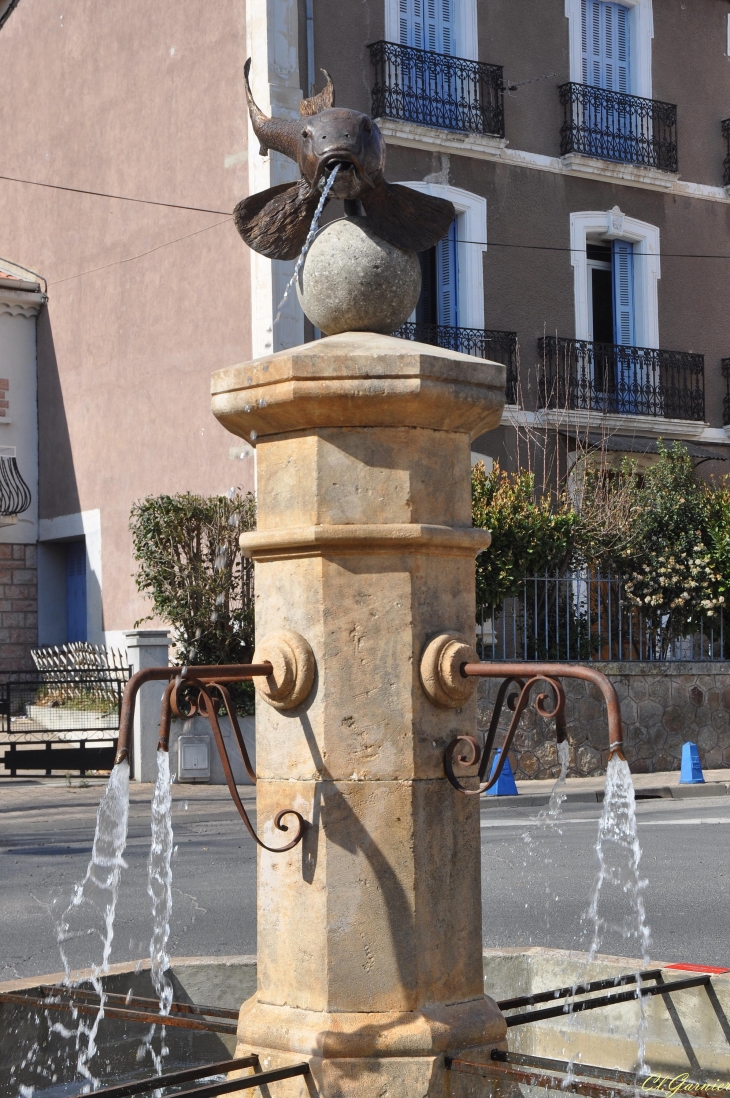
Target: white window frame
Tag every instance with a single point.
(641, 31)
(472, 244)
(466, 37)
(614, 225)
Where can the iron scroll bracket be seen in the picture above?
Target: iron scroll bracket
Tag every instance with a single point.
(204, 690)
(465, 751)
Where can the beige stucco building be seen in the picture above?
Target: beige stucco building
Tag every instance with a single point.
(582, 143)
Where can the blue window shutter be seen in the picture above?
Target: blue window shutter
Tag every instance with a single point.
(76, 591)
(404, 23)
(447, 25)
(605, 45)
(448, 277)
(622, 50)
(623, 292)
(427, 24)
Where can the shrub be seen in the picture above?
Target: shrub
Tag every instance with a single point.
(190, 566)
(530, 535)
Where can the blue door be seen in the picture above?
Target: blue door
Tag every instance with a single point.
(76, 591)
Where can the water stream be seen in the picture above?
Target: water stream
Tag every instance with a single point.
(619, 885)
(308, 242)
(159, 889)
(85, 930)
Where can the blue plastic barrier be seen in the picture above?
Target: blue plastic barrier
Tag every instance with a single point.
(505, 785)
(691, 773)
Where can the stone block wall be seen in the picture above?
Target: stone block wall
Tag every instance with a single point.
(662, 706)
(18, 606)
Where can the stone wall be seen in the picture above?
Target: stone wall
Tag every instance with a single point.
(18, 605)
(662, 706)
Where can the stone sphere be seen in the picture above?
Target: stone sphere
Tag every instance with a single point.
(352, 281)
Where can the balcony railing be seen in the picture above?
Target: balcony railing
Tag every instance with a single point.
(625, 128)
(435, 89)
(494, 345)
(606, 377)
(726, 135)
(726, 401)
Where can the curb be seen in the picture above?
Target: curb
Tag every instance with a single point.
(659, 792)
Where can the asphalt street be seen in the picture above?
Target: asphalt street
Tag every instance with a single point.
(536, 881)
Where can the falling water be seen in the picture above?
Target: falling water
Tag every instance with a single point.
(85, 930)
(159, 880)
(550, 815)
(159, 889)
(310, 237)
(618, 879)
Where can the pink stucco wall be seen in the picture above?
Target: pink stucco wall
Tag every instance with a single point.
(144, 100)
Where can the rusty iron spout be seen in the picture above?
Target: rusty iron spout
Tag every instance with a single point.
(551, 671)
(236, 672)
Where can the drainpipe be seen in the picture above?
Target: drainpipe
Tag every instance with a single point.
(310, 47)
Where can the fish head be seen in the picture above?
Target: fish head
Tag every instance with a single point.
(346, 138)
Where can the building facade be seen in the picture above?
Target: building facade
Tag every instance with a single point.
(585, 145)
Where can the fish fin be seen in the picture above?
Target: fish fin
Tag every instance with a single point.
(275, 222)
(280, 134)
(407, 218)
(322, 101)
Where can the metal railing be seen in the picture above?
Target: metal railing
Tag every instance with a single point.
(590, 617)
(726, 398)
(726, 163)
(482, 342)
(610, 378)
(52, 705)
(436, 89)
(615, 126)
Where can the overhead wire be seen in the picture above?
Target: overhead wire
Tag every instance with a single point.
(227, 215)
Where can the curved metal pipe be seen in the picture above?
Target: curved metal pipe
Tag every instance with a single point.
(234, 672)
(560, 671)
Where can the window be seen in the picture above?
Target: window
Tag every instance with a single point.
(590, 17)
(466, 269)
(616, 269)
(439, 300)
(76, 591)
(442, 26)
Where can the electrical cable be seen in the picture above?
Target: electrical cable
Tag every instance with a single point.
(226, 214)
(117, 197)
(131, 258)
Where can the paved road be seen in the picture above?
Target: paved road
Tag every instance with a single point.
(534, 892)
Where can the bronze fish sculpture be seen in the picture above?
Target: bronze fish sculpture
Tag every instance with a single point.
(276, 222)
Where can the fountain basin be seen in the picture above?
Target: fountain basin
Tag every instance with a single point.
(690, 1035)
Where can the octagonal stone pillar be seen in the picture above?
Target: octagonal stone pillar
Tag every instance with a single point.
(369, 931)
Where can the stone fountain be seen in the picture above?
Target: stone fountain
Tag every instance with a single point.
(369, 932)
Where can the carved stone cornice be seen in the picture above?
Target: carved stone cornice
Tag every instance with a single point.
(20, 303)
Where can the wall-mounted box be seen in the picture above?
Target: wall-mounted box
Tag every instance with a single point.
(193, 759)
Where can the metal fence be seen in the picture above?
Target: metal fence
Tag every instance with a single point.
(483, 342)
(437, 89)
(52, 720)
(589, 617)
(726, 162)
(616, 126)
(608, 377)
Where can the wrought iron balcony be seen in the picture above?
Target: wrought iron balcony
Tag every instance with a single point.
(435, 89)
(726, 135)
(494, 345)
(726, 400)
(613, 126)
(606, 377)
